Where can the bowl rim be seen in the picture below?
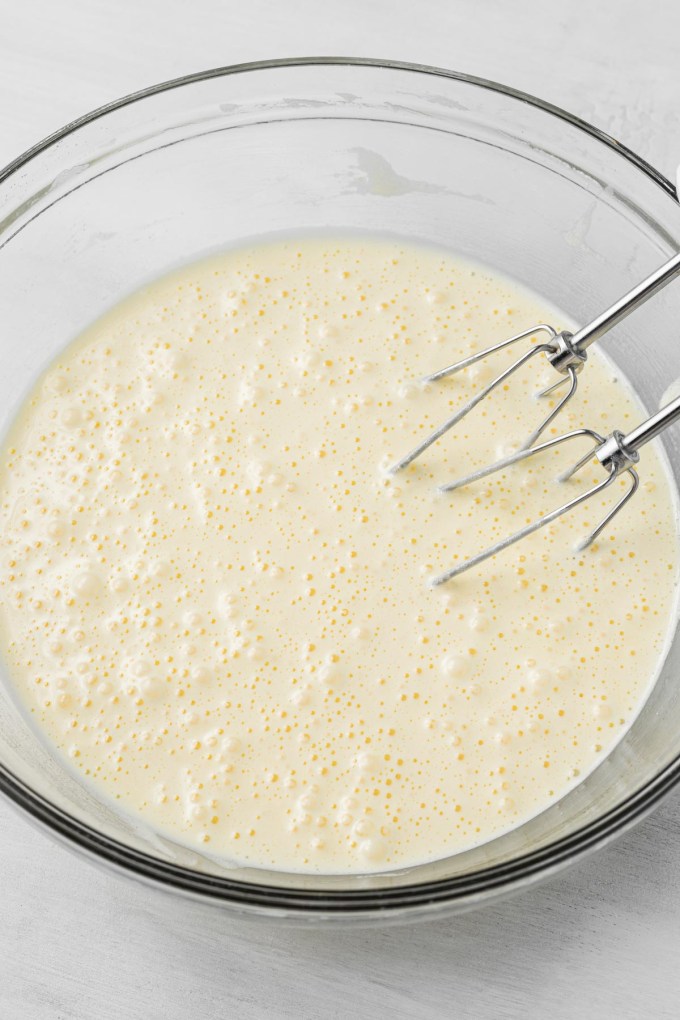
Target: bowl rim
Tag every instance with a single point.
(425, 897)
(283, 62)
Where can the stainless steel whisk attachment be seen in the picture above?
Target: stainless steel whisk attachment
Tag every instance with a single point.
(565, 351)
(617, 454)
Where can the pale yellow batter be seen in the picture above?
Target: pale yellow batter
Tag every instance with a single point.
(215, 602)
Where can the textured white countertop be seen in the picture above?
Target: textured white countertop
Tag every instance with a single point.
(601, 941)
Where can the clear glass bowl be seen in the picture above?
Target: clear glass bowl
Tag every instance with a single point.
(167, 175)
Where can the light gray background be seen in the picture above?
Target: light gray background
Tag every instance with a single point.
(602, 941)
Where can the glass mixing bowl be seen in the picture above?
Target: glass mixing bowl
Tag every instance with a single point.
(165, 176)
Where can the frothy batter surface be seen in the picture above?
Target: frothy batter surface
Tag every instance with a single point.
(216, 604)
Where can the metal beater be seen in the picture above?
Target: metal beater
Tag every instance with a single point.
(565, 351)
(617, 453)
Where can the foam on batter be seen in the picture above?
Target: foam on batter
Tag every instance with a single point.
(214, 601)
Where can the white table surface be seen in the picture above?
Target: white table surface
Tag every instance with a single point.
(601, 941)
